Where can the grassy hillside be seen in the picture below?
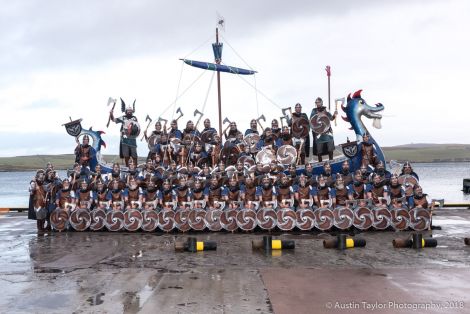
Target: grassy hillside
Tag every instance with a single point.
(35, 162)
(428, 152)
(411, 152)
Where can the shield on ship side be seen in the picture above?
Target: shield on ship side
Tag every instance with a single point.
(349, 149)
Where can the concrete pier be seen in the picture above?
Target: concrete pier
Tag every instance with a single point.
(103, 272)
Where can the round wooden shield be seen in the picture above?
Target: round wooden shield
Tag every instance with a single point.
(320, 123)
(286, 154)
(208, 136)
(251, 140)
(265, 156)
(300, 127)
(153, 140)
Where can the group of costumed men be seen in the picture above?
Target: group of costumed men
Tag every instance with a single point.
(188, 166)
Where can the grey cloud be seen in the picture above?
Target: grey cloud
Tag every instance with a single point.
(48, 34)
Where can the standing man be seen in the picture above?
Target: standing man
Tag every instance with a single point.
(293, 123)
(130, 130)
(323, 143)
(84, 153)
(253, 128)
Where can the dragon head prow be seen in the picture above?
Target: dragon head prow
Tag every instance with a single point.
(357, 107)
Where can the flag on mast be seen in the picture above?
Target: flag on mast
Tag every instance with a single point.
(220, 22)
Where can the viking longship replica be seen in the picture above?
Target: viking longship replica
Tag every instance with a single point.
(221, 215)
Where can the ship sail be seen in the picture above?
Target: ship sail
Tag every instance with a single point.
(218, 67)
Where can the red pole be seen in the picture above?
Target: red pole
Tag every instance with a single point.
(328, 74)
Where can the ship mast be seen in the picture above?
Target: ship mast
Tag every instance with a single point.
(217, 47)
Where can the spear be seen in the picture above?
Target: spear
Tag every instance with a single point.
(328, 74)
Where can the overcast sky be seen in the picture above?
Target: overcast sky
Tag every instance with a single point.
(64, 58)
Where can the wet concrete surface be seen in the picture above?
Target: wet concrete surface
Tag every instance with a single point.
(103, 272)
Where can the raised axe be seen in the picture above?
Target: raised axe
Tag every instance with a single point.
(340, 100)
(160, 119)
(283, 118)
(110, 101)
(147, 118)
(180, 115)
(261, 117)
(197, 112)
(226, 120)
(286, 109)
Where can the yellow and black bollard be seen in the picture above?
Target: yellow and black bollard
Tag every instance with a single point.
(268, 244)
(342, 242)
(416, 242)
(193, 245)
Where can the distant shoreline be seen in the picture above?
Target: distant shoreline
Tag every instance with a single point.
(415, 153)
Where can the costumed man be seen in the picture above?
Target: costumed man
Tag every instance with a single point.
(285, 192)
(133, 173)
(342, 191)
(345, 173)
(249, 189)
(151, 195)
(276, 129)
(84, 196)
(84, 153)
(303, 147)
(308, 172)
(215, 192)
(96, 176)
(37, 201)
(267, 140)
(303, 193)
(65, 197)
(115, 175)
(379, 191)
(52, 184)
(233, 132)
(240, 172)
(167, 195)
(133, 194)
(147, 173)
(182, 192)
(360, 190)
(207, 127)
(418, 199)
(174, 131)
(292, 174)
(176, 136)
(197, 193)
(130, 130)
(384, 174)
(285, 138)
(157, 133)
(323, 194)
(221, 173)
(116, 196)
(100, 195)
(197, 155)
(397, 192)
(327, 174)
(266, 193)
(253, 128)
(368, 153)
(408, 170)
(323, 143)
(233, 193)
